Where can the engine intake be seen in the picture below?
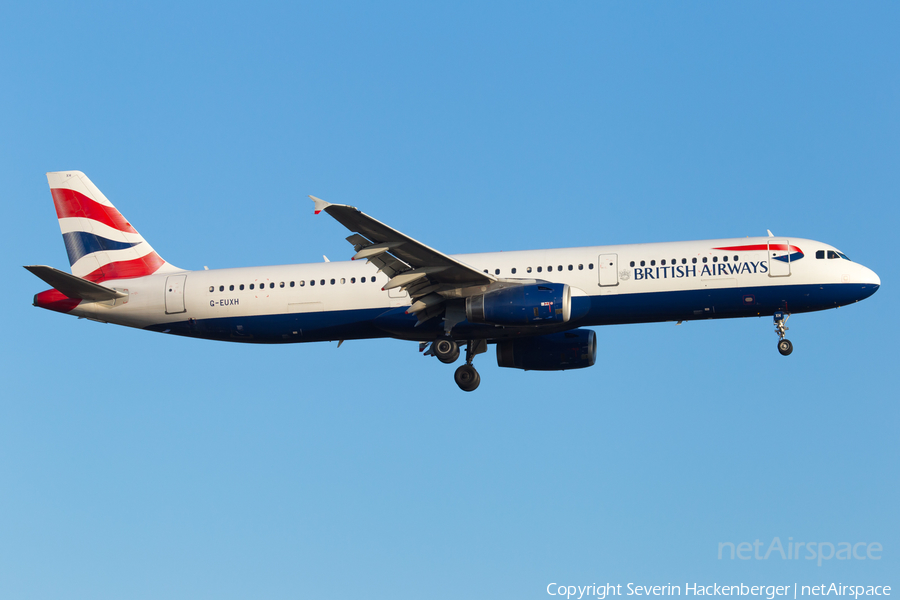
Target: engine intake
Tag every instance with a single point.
(574, 349)
(537, 304)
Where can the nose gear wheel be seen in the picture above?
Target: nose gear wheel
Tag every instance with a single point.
(785, 346)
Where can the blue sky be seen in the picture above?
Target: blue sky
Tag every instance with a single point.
(136, 465)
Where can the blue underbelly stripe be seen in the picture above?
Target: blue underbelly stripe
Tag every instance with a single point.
(719, 303)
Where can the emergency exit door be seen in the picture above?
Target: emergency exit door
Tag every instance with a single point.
(175, 294)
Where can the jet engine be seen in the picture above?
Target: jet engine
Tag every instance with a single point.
(537, 304)
(574, 349)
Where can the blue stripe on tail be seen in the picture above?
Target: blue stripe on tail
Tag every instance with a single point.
(81, 243)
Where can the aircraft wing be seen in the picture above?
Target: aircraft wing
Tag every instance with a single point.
(409, 264)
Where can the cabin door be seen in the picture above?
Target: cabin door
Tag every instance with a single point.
(608, 269)
(779, 258)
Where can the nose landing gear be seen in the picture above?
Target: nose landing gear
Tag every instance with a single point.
(785, 346)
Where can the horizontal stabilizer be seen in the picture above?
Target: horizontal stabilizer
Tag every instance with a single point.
(74, 287)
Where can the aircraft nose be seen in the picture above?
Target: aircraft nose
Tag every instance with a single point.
(870, 282)
(872, 278)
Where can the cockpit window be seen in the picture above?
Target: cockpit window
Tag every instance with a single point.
(820, 254)
(835, 254)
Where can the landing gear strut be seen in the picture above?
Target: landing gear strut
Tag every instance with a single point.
(785, 346)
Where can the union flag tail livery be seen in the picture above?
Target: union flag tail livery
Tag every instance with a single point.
(100, 242)
(534, 305)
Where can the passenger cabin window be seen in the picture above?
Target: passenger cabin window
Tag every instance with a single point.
(513, 270)
(643, 263)
(292, 284)
(539, 269)
(230, 288)
(632, 263)
(496, 271)
(528, 270)
(212, 288)
(694, 260)
(581, 267)
(242, 287)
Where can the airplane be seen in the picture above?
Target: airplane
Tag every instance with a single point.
(535, 306)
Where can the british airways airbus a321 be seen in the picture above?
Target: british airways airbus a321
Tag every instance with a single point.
(534, 305)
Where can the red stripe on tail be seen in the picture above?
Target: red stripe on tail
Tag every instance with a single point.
(127, 269)
(70, 203)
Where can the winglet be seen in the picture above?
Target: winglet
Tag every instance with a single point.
(320, 204)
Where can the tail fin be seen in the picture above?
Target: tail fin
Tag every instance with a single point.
(101, 243)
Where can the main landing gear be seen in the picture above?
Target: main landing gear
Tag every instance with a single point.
(446, 349)
(467, 378)
(785, 347)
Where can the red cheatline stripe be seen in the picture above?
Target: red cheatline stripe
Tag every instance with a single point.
(70, 203)
(761, 247)
(127, 269)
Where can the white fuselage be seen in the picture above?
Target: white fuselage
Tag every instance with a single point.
(624, 276)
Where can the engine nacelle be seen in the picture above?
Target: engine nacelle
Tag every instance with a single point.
(574, 349)
(537, 304)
